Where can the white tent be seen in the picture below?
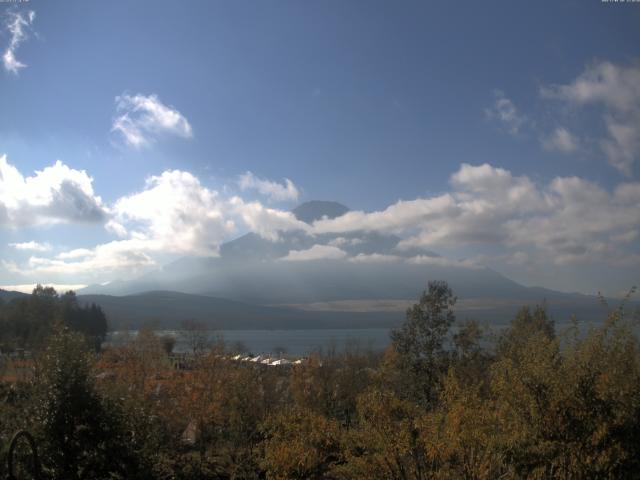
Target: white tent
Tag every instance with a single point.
(282, 361)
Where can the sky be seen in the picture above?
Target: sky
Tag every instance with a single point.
(506, 134)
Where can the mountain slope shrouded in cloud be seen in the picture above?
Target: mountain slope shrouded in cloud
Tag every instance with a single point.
(299, 267)
(266, 284)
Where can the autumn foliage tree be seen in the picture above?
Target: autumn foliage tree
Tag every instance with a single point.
(419, 342)
(443, 401)
(82, 435)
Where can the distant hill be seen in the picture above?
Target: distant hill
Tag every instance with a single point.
(162, 309)
(7, 295)
(166, 310)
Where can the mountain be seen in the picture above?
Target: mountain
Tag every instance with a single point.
(314, 210)
(167, 310)
(374, 277)
(8, 295)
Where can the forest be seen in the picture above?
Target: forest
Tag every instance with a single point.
(443, 401)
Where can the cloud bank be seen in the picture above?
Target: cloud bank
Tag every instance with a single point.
(569, 219)
(566, 220)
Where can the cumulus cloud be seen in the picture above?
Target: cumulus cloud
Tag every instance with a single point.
(566, 220)
(616, 89)
(175, 213)
(116, 228)
(396, 218)
(130, 255)
(505, 112)
(273, 190)
(31, 246)
(56, 194)
(316, 252)
(266, 222)
(561, 140)
(172, 214)
(140, 119)
(615, 86)
(569, 219)
(17, 25)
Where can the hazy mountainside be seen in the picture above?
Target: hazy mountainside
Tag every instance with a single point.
(252, 269)
(7, 296)
(161, 309)
(251, 272)
(276, 282)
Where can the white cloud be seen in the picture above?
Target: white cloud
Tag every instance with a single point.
(116, 228)
(130, 255)
(505, 112)
(443, 262)
(616, 89)
(266, 222)
(31, 246)
(375, 258)
(602, 82)
(623, 145)
(142, 118)
(561, 140)
(394, 219)
(566, 220)
(323, 252)
(273, 190)
(317, 252)
(570, 219)
(175, 213)
(56, 194)
(17, 26)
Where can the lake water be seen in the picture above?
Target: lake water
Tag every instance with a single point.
(305, 341)
(292, 342)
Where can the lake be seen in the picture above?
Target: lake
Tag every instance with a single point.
(305, 341)
(292, 342)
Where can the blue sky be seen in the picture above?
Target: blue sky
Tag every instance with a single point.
(366, 103)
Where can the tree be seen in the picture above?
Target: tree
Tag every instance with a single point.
(168, 343)
(300, 444)
(89, 320)
(385, 444)
(196, 335)
(525, 325)
(419, 342)
(81, 436)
